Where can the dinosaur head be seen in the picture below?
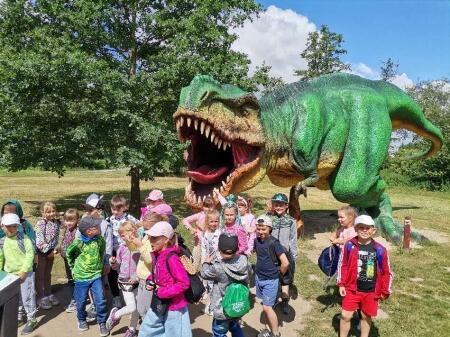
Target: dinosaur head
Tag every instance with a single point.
(222, 124)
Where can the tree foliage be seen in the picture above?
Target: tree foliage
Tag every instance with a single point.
(432, 173)
(322, 54)
(87, 80)
(388, 69)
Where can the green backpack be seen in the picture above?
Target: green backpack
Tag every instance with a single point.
(235, 302)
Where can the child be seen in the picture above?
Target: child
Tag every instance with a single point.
(285, 230)
(119, 208)
(16, 257)
(86, 259)
(248, 221)
(231, 224)
(144, 266)
(13, 206)
(209, 246)
(167, 285)
(267, 273)
(154, 198)
(199, 220)
(126, 261)
(47, 236)
(346, 231)
(364, 276)
(232, 267)
(71, 218)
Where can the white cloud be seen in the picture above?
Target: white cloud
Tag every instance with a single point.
(278, 37)
(363, 70)
(402, 81)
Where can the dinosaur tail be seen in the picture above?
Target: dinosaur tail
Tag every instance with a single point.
(406, 113)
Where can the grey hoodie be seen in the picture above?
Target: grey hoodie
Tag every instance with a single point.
(284, 229)
(223, 273)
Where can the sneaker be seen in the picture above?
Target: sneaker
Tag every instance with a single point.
(29, 327)
(265, 333)
(45, 304)
(116, 302)
(53, 300)
(72, 307)
(83, 326)
(91, 316)
(112, 321)
(103, 330)
(285, 306)
(130, 333)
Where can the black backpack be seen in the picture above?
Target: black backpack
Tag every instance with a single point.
(196, 288)
(288, 277)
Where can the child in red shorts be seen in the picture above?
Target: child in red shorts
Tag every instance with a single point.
(363, 276)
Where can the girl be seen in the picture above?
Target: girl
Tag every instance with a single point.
(199, 220)
(125, 262)
(230, 223)
(248, 221)
(144, 265)
(346, 231)
(168, 286)
(210, 243)
(47, 235)
(71, 218)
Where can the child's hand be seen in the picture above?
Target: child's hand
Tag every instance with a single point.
(137, 242)
(269, 207)
(342, 291)
(112, 260)
(192, 230)
(208, 259)
(22, 275)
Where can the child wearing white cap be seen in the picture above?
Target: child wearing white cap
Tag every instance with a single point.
(363, 276)
(17, 258)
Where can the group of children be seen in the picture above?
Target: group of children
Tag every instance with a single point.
(140, 260)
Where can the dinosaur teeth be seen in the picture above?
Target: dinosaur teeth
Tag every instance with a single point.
(207, 131)
(178, 124)
(195, 124)
(219, 144)
(188, 122)
(216, 141)
(221, 189)
(181, 121)
(202, 127)
(224, 184)
(212, 137)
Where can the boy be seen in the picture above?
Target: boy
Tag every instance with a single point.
(233, 267)
(119, 208)
(363, 276)
(13, 206)
(86, 256)
(267, 273)
(16, 257)
(285, 230)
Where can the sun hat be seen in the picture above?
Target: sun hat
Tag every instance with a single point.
(94, 201)
(228, 243)
(162, 228)
(155, 195)
(364, 220)
(264, 220)
(10, 219)
(280, 197)
(162, 209)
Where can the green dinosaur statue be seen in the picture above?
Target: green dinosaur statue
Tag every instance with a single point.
(332, 132)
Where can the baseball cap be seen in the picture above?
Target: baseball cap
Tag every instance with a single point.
(94, 200)
(280, 197)
(228, 244)
(10, 219)
(364, 220)
(162, 228)
(155, 195)
(162, 209)
(264, 220)
(88, 222)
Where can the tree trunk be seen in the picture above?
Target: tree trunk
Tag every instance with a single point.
(135, 193)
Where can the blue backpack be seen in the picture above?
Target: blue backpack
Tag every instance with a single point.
(328, 260)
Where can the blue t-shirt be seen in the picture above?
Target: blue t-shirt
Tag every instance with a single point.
(266, 269)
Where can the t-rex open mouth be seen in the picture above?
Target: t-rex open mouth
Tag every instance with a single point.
(214, 159)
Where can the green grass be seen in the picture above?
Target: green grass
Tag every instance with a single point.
(415, 308)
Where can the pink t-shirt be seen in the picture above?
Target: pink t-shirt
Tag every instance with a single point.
(346, 233)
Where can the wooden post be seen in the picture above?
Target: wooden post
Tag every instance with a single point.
(407, 234)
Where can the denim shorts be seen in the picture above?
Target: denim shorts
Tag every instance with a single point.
(267, 291)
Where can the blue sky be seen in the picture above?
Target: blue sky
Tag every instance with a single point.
(416, 34)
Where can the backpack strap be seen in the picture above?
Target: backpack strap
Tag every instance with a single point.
(167, 263)
(272, 253)
(2, 242)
